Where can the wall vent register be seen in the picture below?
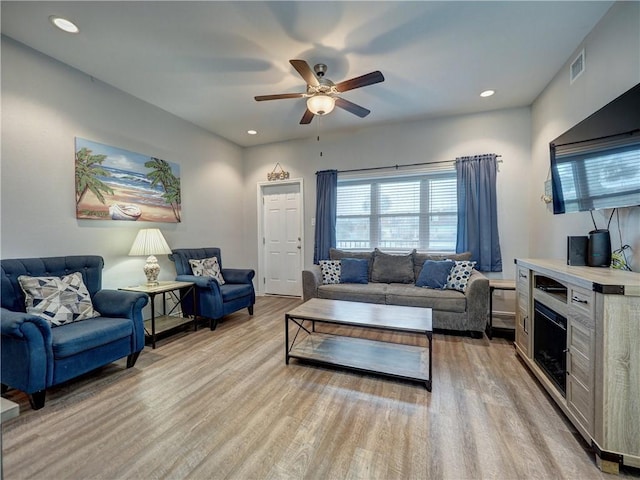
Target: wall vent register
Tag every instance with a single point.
(577, 67)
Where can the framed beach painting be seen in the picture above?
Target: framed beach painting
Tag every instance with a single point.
(115, 184)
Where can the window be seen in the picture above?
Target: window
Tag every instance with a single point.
(398, 213)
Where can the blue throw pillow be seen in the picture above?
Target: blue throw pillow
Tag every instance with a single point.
(354, 270)
(435, 273)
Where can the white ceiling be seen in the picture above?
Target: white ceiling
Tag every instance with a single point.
(205, 61)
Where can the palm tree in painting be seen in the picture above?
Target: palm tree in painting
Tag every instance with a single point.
(88, 168)
(162, 175)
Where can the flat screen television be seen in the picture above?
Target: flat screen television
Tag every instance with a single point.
(596, 164)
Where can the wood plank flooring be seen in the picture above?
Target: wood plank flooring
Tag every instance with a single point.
(223, 405)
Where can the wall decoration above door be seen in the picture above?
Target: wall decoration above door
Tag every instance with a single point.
(116, 184)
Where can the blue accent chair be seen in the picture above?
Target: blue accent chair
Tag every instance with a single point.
(36, 356)
(214, 301)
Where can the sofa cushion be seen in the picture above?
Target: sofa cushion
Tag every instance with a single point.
(336, 254)
(330, 271)
(435, 273)
(459, 275)
(207, 267)
(354, 270)
(232, 291)
(412, 296)
(59, 300)
(82, 336)
(389, 268)
(419, 259)
(354, 292)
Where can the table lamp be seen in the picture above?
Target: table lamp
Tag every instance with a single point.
(150, 241)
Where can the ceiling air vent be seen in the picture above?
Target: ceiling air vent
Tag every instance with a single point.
(577, 67)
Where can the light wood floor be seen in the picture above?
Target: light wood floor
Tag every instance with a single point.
(223, 404)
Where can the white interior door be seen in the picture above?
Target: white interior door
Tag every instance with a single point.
(282, 240)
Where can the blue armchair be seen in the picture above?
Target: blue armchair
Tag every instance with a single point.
(36, 356)
(214, 300)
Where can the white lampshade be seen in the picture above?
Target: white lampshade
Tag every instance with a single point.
(150, 241)
(321, 104)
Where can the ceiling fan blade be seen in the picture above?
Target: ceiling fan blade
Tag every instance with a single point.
(362, 81)
(352, 107)
(305, 72)
(307, 117)
(261, 98)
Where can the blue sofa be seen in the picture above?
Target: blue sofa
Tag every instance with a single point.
(36, 356)
(215, 301)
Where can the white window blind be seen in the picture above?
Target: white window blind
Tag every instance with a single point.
(398, 213)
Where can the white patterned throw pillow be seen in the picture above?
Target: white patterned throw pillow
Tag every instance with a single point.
(207, 267)
(59, 300)
(330, 271)
(459, 275)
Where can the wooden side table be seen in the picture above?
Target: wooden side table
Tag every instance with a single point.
(167, 321)
(497, 284)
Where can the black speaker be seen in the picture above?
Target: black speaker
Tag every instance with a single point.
(577, 250)
(599, 252)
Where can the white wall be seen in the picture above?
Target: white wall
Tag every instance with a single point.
(505, 132)
(45, 105)
(612, 59)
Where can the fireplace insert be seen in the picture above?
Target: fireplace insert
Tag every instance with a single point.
(550, 344)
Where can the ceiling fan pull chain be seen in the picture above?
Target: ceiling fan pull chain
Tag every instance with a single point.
(318, 132)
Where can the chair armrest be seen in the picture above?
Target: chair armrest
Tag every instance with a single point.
(12, 323)
(119, 303)
(311, 280)
(477, 294)
(124, 304)
(208, 294)
(238, 275)
(27, 351)
(200, 282)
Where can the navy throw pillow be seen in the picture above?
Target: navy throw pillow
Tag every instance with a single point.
(354, 270)
(435, 273)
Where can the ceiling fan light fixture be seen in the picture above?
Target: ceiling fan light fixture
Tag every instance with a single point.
(321, 104)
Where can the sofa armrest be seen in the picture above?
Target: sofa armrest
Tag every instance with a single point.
(311, 280)
(238, 275)
(477, 295)
(119, 303)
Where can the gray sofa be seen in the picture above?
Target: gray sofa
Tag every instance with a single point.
(451, 309)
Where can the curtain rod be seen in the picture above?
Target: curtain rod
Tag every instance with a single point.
(400, 166)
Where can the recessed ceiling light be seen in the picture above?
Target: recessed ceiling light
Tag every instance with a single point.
(64, 24)
(487, 93)
(252, 132)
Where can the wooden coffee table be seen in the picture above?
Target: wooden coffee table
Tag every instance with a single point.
(408, 362)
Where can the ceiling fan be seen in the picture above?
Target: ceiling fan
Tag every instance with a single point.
(322, 94)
